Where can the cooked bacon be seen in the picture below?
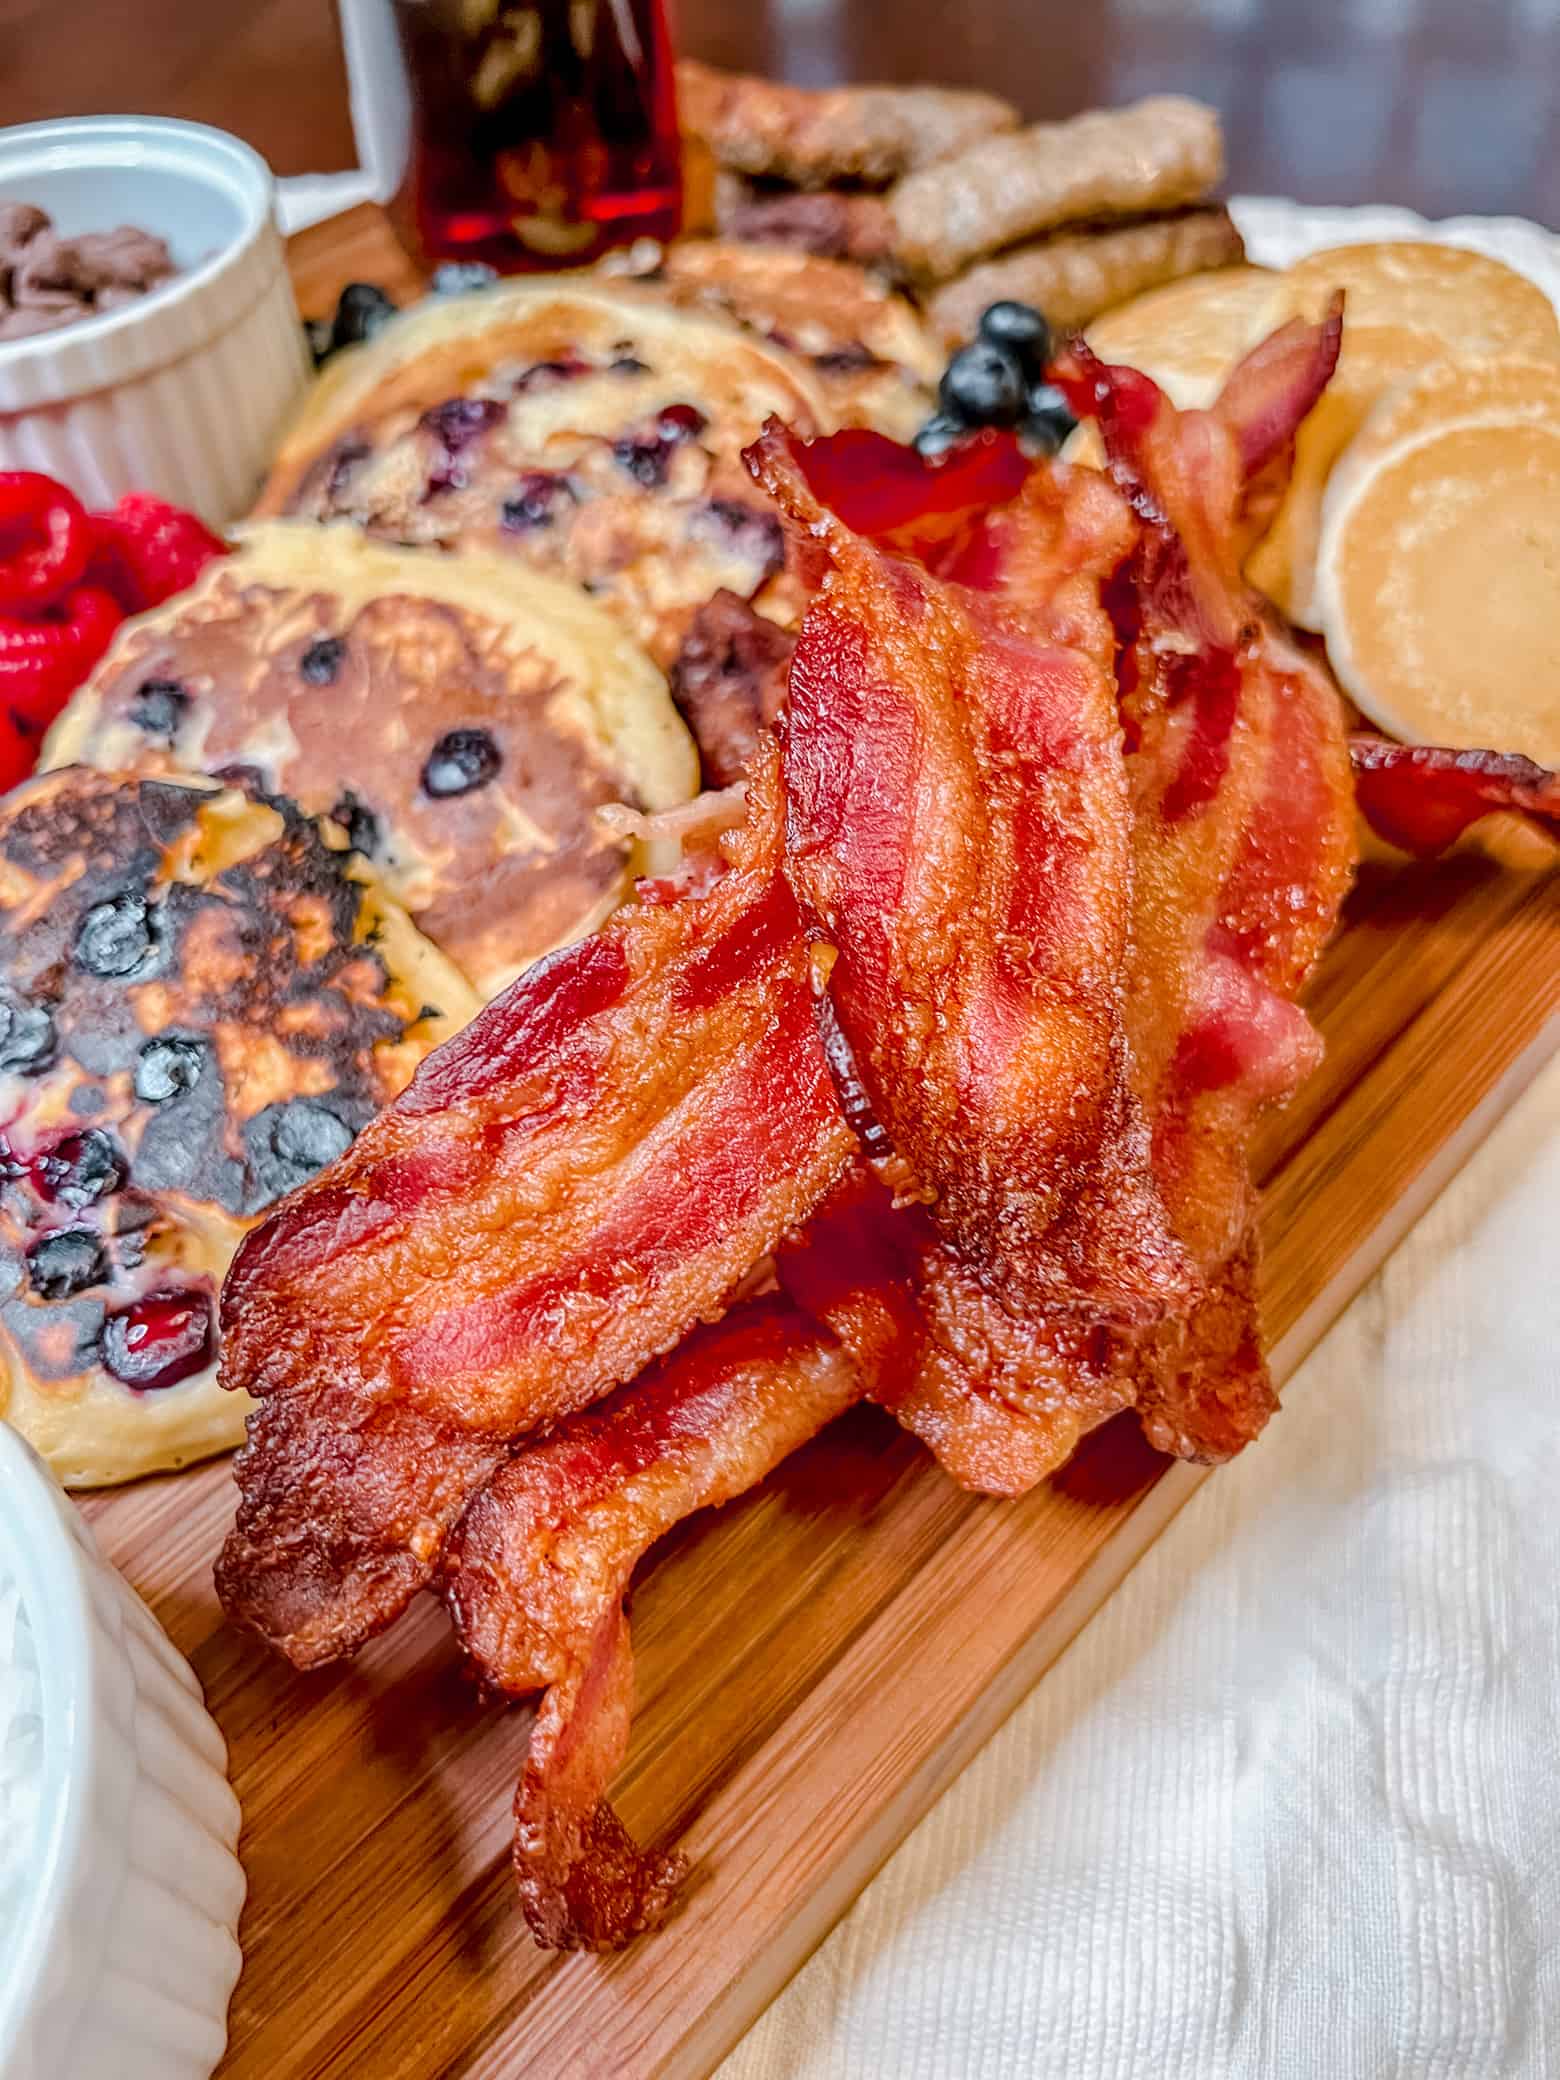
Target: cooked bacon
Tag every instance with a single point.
(569, 1184)
(1202, 1385)
(1001, 1401)
(536, 1573)
(1422, 799)
(958, 827)
(1242, 815)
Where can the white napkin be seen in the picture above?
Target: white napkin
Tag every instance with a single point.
(1287, 1809)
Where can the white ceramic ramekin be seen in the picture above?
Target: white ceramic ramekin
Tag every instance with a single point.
(184, 391)
(127, 1955)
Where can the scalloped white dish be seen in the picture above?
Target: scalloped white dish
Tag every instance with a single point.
(118, 1918)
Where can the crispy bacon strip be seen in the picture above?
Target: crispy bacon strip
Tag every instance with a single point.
(1243, 824)
(1422, 799)
(536, 1574)
(564, 1189)
(958, 825)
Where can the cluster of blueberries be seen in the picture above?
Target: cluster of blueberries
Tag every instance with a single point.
(999, 380)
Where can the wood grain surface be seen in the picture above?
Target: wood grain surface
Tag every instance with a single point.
(817, 1661)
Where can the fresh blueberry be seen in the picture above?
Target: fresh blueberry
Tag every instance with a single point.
(362, 309)
(358, 821)
(80, 1169)
(982, 385)
(319, 334)
(939, 434)
(534, 501)
(456, 277)
(1021, 329)
(66, 1262)
(462, 761)
(159, 707)
(26, 1036)
(116, 937)
(1047, 421)
(322, 660)
(628, 365)
(167, 1067)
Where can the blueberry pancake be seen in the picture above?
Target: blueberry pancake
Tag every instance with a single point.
(586, 426)
(870, 354)
(202, 999)
(461, 717)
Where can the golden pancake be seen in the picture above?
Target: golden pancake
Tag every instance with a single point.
(1187, 336)
(202, 1000)
(1438, 584)
(581, 424)
(870, 354)
(463, 717)
(1373, 361)
(1473, 304)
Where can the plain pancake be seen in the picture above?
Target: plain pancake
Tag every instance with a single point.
(1438, 580)
(1187, 336)
(869, 352)
(1373, 361)
(582, 424)
(202, 1000)
(1474, 305)
(332, 667)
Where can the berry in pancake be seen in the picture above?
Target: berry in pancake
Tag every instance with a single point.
(202, 1001)
(461, 717)
(586, 427)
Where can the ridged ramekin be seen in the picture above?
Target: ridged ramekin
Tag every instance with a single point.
(127, 1951)
(184, 391)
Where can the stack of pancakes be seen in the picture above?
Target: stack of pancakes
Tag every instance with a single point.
(312, 811)
(1420, 530)
(943, 190)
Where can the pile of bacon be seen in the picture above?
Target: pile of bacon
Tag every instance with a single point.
(929, 1081)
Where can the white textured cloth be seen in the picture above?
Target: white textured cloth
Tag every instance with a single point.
(1289, 1807)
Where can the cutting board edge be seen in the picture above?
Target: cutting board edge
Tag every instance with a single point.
(722, 2026)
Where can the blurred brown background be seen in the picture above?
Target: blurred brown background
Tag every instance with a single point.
(1445, 105)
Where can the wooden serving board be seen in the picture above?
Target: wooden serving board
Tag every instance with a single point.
(817, 1662)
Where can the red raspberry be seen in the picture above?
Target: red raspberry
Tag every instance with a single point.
(147, 550)
(44, 660)
(45, 540)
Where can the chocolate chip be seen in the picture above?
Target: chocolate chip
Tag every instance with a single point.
(81, 1169)
(116, 937)
(26, 1036)
(461, 761)
(159, 707)
(358, 821)
(167, 1067)
(66, 1262)
(322, 660)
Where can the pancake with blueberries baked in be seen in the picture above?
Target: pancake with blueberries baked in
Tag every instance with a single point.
(203, 997)
(872, 357)
(585, 426)
(461, 717)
